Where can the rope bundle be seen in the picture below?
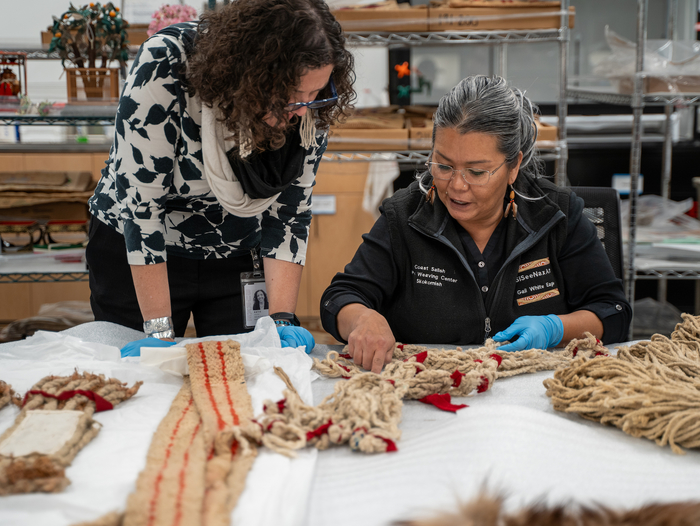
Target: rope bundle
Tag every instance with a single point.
(365, 411)
(7, 395)
(650, 390)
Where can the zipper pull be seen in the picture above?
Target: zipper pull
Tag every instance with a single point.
(487, 328)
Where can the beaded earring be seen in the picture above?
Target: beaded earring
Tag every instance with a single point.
(511, 205)
(430, 196)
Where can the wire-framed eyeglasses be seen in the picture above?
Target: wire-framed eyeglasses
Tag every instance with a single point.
(474, 176)
(319, 103)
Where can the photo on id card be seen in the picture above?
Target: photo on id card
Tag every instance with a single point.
(255, 302)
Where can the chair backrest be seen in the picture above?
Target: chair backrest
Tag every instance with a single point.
(602, 207)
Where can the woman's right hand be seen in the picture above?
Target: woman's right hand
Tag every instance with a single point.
(370, 340)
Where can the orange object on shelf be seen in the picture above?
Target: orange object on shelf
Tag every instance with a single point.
(13, 73)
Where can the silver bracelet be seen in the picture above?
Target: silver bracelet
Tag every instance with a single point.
(159, 327)
(163, 335)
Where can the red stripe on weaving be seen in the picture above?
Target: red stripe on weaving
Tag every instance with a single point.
(207, 384)
(232, 409)
(100, 403)
(159, 477)
(181, 478)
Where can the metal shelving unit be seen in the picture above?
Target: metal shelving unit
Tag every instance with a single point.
(555, 151)
(637, 101)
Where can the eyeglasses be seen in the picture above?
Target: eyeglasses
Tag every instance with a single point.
(315, 103)
(474, 176)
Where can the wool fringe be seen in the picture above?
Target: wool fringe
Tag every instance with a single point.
(487, 510)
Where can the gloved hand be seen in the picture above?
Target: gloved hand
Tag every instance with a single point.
(134, 348)
(292, 336)
(534, 332)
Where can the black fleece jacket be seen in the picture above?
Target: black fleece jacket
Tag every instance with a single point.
(412, 268)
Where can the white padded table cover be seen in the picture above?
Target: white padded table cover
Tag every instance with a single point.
(509, 439)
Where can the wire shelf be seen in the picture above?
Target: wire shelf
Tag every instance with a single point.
(453, 37)
(549, 151)
(667, 274)
(607, 96)
(43, 54)
(43, 277)
(56, 120)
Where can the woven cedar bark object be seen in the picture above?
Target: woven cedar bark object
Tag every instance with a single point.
(77, 397)
(198, 459)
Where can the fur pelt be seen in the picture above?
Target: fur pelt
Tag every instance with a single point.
(488, 511)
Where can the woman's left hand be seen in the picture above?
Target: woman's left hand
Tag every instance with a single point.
(533, 332)
(291, 336)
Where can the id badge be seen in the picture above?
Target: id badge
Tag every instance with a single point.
(254, 293)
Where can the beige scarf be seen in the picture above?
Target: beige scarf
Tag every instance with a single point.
(217, 169)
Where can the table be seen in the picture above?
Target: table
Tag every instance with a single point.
(509, 438)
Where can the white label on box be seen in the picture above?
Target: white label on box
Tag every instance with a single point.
(622, 182)
(323, 204)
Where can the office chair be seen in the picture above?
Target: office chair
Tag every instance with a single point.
(602, 207)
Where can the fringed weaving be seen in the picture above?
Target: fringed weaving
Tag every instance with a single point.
(68, 402)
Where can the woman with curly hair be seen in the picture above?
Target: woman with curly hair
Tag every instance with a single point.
(218, 135)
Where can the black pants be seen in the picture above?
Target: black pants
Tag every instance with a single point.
(210, 289)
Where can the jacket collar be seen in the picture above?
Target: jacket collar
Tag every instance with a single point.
(434, 219)
(532, 215)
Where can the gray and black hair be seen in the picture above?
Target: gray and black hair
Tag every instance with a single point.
(488, 105)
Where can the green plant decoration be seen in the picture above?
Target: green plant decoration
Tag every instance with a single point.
(95, 31)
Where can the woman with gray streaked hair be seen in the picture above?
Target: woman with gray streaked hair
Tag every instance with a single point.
(479, 246)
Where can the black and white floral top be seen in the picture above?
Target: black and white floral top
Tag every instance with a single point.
(153, 189)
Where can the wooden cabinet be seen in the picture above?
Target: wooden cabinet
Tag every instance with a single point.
(22, 300)
(333, 238)
(92, 162)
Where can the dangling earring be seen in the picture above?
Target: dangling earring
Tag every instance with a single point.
(430, 196)
(511, 205)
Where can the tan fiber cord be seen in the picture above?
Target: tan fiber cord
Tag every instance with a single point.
(650, 390)
(430, 370)
(45, 473)
(365, 411)
(7, 395)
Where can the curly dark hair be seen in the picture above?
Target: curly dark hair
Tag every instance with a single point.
(249, 56)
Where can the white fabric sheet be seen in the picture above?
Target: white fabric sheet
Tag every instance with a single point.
(509, 440)
(104, 473)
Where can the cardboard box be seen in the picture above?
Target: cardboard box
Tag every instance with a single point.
(420, 134)
(36, 206)
(346, 140)
(500, 18)
(382, 20)
(681, 84)
(546, 132)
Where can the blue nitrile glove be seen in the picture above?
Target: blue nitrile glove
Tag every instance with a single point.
(134, 348)
(292, 336)
(534, 332)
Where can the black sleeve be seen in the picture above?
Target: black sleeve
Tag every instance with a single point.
(589, 277)
(370, 278)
